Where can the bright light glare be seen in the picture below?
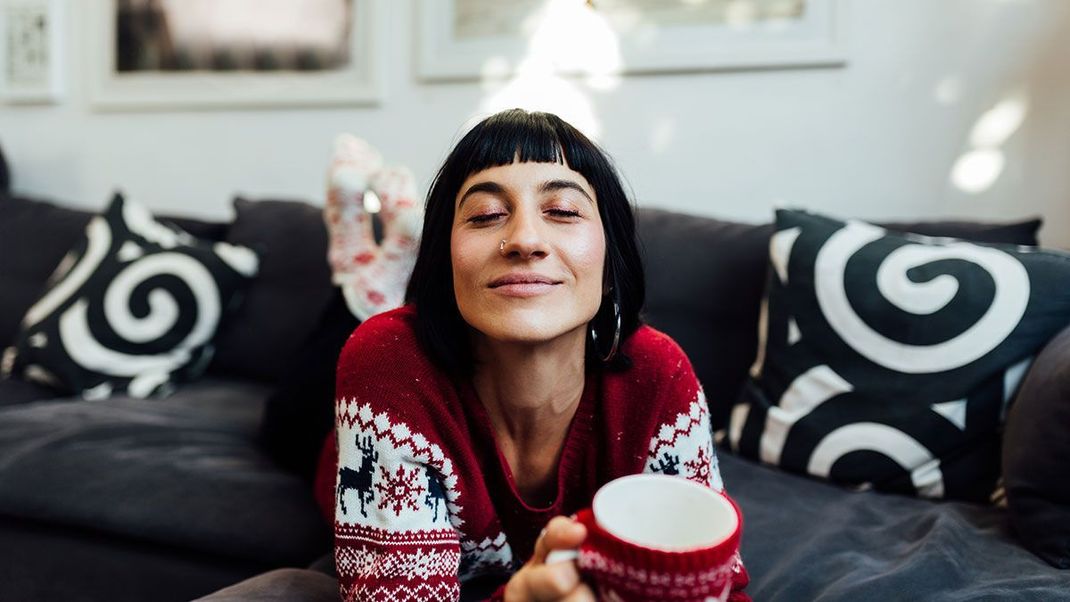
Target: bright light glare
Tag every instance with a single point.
(999, 122)
(568, 37)
(372, 203)
(546, 92)
(976, 171)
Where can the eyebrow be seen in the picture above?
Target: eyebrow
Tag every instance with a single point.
(547, 186)
(553, 185)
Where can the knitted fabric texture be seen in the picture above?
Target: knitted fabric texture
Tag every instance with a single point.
(421, 497)
(372, 276)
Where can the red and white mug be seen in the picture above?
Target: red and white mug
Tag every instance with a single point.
(657, 537)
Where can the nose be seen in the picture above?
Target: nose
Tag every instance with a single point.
(524, 236)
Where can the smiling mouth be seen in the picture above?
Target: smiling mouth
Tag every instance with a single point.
(514, 281)
(523, 286)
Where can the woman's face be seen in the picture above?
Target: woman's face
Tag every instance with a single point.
(547, 282)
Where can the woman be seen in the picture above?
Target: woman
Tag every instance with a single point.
(515, 381)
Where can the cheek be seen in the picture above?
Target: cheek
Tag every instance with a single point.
(590, 257)
(465, 259)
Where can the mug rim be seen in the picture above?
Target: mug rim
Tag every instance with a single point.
(679, 481)
(698, 559)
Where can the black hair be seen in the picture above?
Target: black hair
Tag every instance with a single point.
(501, 139)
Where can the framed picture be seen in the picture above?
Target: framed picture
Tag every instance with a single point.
(465, 39)
(30, 50)
(165, 54)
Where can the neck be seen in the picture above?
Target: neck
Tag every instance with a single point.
(530, 391)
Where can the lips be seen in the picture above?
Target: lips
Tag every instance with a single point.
(521, 279)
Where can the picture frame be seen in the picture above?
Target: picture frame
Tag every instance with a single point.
(31, 51)
(359, 83)
(816, 39)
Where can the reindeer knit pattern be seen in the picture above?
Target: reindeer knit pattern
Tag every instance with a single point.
(420, 496)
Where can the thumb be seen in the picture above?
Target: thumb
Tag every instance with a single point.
(561, 533)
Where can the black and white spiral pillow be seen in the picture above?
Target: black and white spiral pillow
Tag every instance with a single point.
(888, 360)
(132, 308)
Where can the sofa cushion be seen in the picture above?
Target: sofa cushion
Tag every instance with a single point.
(285, 303)
(705, 279)
(889, 359)
(34, 236)
(1036, 454)
(183, 471)
(133, 307)
(808, 540)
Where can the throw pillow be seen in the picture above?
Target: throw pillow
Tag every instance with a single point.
(1036, 452)
(695, 256)
(133, 307)
(35, 234)
(889, 360)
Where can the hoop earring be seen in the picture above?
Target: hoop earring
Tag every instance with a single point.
(616, 335)
(501, 248)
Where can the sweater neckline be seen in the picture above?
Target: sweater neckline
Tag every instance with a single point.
(576, 439)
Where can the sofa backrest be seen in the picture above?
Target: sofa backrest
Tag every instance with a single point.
(704, 280)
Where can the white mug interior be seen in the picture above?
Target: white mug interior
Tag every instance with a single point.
(664, 512)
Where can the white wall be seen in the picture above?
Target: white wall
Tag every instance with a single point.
(877, 139)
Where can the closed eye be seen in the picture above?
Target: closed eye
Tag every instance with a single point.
(484, 218)
(566, 213)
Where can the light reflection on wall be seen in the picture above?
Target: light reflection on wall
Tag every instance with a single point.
(978, 169)
(568, 37)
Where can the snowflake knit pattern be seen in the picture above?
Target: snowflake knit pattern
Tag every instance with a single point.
(421, 497)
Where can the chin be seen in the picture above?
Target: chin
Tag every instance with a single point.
(527, 327)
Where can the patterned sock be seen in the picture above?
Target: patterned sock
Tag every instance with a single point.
(372, 277)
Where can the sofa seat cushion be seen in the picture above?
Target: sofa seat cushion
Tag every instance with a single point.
(183, 471)
(805, 539)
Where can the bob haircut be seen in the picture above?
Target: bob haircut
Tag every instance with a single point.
(501, 139)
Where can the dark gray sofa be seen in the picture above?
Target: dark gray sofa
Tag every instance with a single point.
(170, 499)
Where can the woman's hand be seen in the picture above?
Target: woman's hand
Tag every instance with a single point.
(538, 581)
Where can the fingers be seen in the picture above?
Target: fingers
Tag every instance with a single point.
(551, 581)
(561, 533)
(583, 593)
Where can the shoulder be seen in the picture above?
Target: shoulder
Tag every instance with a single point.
(655, 354)
(389, 336)
(383, 362)
(660, 372)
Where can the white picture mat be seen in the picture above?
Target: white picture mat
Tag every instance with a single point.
(817, 39)
(361, 83)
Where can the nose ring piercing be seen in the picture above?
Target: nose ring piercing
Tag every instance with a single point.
(501, 248)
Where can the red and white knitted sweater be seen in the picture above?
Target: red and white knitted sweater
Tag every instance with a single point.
(422, 499)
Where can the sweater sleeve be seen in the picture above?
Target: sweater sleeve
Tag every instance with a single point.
(682, 443)
(394, 539)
